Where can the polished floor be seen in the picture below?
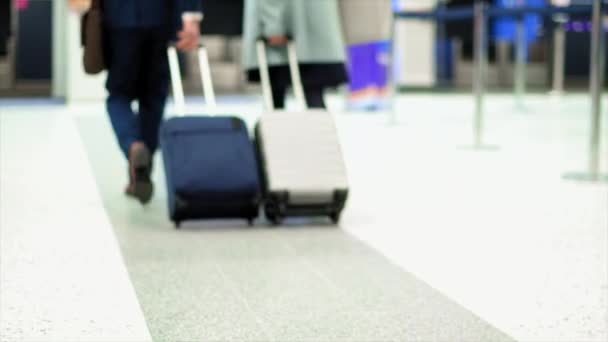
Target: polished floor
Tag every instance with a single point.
(439, 242)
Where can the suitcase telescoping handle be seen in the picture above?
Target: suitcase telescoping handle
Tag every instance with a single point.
(176, 79)
(294, 69)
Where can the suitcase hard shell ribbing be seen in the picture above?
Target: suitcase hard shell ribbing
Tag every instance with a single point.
(210, 164)
(303, 171)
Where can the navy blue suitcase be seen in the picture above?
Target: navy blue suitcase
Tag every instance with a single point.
(210, 165)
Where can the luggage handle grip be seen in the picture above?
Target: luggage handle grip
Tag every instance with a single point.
(176, 80)
(294, 69)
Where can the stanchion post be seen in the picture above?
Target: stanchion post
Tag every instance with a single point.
(392, 78)
(559, 54)
(596, 85)
(480, 45)
(503, 61)
(520, 61)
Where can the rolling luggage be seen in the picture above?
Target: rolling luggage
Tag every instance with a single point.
(303, 171)
(210, 163)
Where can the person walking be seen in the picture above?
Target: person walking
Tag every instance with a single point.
(137, 33)
(316, 30)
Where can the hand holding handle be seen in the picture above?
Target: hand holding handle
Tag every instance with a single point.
(189, 37)
(277, 40)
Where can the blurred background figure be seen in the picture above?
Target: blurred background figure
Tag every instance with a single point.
(368, 51)
(223, 17)
(376, 16)
(316, 29)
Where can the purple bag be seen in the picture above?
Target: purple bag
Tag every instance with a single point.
(368, 71)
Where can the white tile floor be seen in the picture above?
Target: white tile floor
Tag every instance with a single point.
(501, 232)
(62, 277)
(498, 231)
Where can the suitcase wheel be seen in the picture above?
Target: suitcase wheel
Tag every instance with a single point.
(177, 224)
(335, 217)
(250, 221)
(275, 219)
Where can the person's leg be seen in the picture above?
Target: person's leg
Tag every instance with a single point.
(123, 57)
(314, 96)
(153, 87)
(123, 52)
(278, 96)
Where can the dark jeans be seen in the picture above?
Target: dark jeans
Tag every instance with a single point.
(313, 94)
(137, 71)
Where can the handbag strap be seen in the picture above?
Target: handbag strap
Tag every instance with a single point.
(96, 4)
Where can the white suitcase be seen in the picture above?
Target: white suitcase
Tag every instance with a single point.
(301, 161)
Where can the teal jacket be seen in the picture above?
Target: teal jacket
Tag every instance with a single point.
(314, 25)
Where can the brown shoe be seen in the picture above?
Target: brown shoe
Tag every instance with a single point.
(140, 186)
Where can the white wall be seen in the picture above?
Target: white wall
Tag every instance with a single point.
(69, 80)
(415, 47)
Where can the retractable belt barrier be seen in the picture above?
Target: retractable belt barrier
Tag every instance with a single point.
(480, 13)
(515, 12)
